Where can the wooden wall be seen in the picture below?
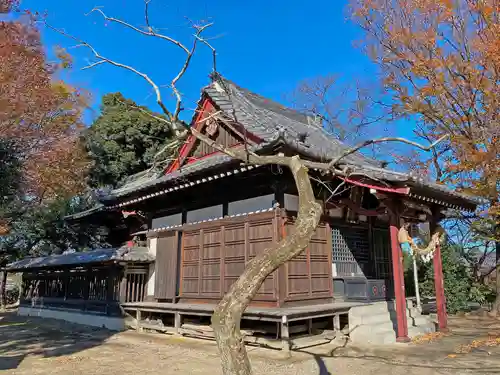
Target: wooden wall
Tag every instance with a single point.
(221, 137)
(91, 288)
(309, 276)
(167, 252)
(214, 254)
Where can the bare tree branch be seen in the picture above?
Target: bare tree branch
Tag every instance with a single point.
(174, 123)
(120, 65)
(178, 106)
(214, 52)
(94, 64)
(150, 31)
(361, 145)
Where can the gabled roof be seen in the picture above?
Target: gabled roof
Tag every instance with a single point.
(263, 118)
(266, 118)
(272, 123)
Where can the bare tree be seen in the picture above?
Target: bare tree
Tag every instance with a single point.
(227, 316)
(349, 111)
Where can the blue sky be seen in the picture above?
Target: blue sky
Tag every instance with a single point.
(265, 46)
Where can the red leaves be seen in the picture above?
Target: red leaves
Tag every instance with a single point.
(7, 6)
(42, 115)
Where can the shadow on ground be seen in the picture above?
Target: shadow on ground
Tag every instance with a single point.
(23, 336)
(442, 356)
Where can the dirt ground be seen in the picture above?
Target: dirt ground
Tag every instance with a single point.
(44, 347)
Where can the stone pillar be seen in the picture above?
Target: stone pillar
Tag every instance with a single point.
(399, 283)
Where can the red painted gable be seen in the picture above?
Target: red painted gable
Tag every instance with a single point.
(204, 111)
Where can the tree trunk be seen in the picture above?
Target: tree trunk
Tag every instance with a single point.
(3, 287)
(496, 306)
(227, 315)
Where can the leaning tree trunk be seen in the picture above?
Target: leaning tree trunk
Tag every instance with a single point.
(227, 315)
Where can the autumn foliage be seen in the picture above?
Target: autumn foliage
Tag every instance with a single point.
(440, 61)
(40, 113)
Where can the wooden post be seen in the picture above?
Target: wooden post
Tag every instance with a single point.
(439, 286)
(67, 279)
(336, 323)
(123, 285)
(399, 283)
(138, 318)
(177, 322)
(285, 334)
(86, 287)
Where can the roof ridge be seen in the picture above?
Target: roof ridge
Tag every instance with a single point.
(257, 96)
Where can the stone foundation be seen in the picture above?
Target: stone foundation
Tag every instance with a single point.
(111, 323)
(376, 323)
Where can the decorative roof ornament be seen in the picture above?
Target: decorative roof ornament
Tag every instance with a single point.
(212, 127)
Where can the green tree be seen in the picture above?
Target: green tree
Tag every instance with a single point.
(41, 231)
(124, 140)
(10, 175)
(459, 285)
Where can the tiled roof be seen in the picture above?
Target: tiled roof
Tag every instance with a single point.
(204, 164)
(124, 254)
(271, 121)
(265, 118)
(410, 180)
(185, 171)
(262, 117)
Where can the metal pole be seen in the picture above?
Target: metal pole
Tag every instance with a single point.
(415, 278)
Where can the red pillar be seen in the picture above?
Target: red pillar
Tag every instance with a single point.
(399, 283)
(439, 286)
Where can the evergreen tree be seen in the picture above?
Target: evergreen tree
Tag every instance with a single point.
(459, 285)
(123, 140)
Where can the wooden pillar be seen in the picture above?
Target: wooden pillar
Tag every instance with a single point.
(86, 287)
(285, 334)
(336, 323)
(439, 286)
(123, 285)
(399, 283)
(177, 322)
(67, 279)
(138, 318)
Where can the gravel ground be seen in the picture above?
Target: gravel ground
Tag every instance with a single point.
(45, 347)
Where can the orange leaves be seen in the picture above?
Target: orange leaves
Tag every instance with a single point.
(428, 338)
(41, 114)
(8, 5)
(440, 61)
(491, 341)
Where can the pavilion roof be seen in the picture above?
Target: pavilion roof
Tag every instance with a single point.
(97, 256)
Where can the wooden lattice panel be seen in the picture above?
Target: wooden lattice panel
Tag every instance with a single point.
(350, 250)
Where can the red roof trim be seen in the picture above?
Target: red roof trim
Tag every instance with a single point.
(207, 107)
(404, 191)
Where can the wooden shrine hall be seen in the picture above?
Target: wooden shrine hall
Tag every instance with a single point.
(207, 215)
